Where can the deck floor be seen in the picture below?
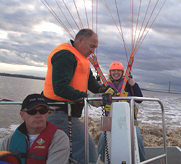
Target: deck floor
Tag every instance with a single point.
(173, 154)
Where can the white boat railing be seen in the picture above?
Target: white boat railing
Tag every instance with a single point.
(132, 101)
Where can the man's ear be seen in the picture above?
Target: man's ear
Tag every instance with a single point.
(80, 40)
(22, 115)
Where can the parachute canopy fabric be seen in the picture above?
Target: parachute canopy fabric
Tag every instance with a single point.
(141, 15)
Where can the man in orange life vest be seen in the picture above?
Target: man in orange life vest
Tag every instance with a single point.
(69, 77)
(36, 140)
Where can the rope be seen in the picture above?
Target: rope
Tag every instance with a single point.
(139, 38)
(116, 26)
(137, 20)
(94, 62)
(71, 15)
(86, 14)
(46, 4)
(92, 15)
(65, 17)
(130, 63)
(132, 44)
(134, 49)
(121, 30)
(78, 15)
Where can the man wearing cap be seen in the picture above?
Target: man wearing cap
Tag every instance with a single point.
(36, 140)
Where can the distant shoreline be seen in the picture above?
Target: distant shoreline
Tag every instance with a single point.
(43, 78)
(22, 76)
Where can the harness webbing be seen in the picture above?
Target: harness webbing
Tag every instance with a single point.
(130, 63)
(94, 62)
(26, 155)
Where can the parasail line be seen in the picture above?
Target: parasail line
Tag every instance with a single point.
(71, 14)
(86, 14)
(121, 30)
(130, 63)
(132, 44)
(65, 17)
(140, 32)
(133, 52)
(116, 26)
(96, 15)
(140, 42)
(56, 17)
(92, 15)
(147, 24)
(81, 24)
(94, 62)
(150, 26)
(137, 20)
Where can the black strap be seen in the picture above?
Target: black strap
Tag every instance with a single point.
(25, 155)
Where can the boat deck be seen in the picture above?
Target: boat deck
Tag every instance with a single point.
(173, 154)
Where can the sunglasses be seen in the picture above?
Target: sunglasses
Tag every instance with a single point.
(33, 112)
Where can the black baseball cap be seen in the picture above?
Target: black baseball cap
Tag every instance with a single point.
(32, 101)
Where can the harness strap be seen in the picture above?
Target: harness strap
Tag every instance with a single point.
(135, 107)
(25, 155)
(135, 123)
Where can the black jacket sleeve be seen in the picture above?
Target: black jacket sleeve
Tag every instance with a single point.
(134, 90)
(93, 85)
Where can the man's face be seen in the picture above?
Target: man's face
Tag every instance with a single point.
(35, 124)
(87, 45)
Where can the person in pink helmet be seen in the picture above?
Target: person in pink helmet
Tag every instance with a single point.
(115, 80)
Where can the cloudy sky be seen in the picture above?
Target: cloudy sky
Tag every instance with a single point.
(28, 33)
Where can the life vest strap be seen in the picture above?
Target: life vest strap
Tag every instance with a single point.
(25, 155)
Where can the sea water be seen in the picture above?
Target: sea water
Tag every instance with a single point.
(17, 89)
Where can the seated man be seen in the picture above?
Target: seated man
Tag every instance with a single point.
(36, 140)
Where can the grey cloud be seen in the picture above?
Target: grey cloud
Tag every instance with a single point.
(157, 60)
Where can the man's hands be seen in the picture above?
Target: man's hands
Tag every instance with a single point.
(106, 95)
(131, 81)
(108, 89)
(95, 103)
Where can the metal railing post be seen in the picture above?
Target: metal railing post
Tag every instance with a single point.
(70, 128)
(164, 131)
(132, 131)
(86, 131)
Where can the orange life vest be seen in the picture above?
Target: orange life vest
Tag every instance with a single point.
(81, 74)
